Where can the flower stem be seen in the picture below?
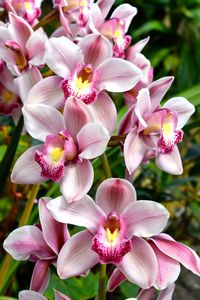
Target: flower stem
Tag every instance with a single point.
(47, 19)
(106, 166)
(6, 270)
(102, 283)
(102, 271)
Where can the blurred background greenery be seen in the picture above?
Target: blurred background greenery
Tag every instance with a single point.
(173, 49)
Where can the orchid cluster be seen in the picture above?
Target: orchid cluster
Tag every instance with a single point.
(70, 111)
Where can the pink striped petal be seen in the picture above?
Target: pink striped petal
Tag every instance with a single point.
(76, 114)
(60, 296)
(104, 111)
(26, 170)
(146, 294)
(105, 6)
(180, 252)
(96, 49)
(76, 257)
(77, 180)
(143, 108)
(41, 120)
(116, 278)
(170, 163)
(26, 81)
(145, 218)
(137, 48)
(55, 233)
(134, 150)
(167, 293)
(47, 91)
(140, 265)
(26, 241)
(125, 12)
(117, 75)
(20, 30)
(66, 55)
(40, 277)
(81, 213)
(115, 194)
(183, 107)
(30, 295)
(36, 47)
(168, 268)
(158, 89)
(92, 140)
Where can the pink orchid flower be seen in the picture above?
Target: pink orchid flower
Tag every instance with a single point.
(69, 141)
(31, 295)
(165, 294)
(38, 243)
(29, 10)
(115, 226)
(155, 131)
(20, 47)
(115, 28)
(84, 70)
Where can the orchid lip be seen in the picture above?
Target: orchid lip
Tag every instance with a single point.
(81, 84)
(110, 242)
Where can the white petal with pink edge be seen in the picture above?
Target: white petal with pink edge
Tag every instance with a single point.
(115, 194)
(26, 170)
(26, 241)
(77, 180)
(36, 47)
(42, 120)
(47, 91)
(170, 163)
(125, 12)
(66, 55)
(134, 150)
(40, 277)
(140, 265)
(117, 75)
(183, 107)
(83, 212)
(178, 251)
(145, 218)
(76, 257)
(30, 295)
(92, 140)
(55, 233)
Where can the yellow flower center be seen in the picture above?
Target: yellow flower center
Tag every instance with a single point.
(56, 154)
(111, 235)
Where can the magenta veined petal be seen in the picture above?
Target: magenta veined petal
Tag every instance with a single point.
(116, 278)
(115, 194)
(96, 49)
(76, 257)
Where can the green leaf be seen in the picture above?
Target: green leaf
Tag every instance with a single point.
(195, 208)
(129, 289)
(81, 288)
(149, 26)
(192, 94)
(7, 298)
